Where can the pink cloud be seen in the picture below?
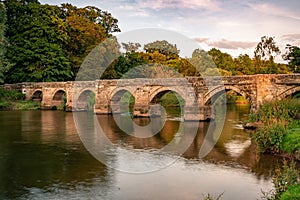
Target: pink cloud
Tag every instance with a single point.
(226, 44)
(194, 4)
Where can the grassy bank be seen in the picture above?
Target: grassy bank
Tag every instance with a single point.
(279, 127)
(14, 100)
(279, 133)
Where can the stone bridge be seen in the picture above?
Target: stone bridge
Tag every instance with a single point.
(199, 93)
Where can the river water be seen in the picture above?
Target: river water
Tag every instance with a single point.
(43, 157)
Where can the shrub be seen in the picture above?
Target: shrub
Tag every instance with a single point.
(269, 138)
(286, 183)
(285, 177)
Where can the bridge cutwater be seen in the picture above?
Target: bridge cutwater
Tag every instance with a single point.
(197, 92)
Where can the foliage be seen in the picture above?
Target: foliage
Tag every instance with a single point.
(285, 180)
(243, 64)
(14, 100)
(49, 43)
(293, 57)
(127, 98)
(276, 117)
(279, 111)
(163, 47)
(4, 63)
(222, 60)
(25, 105)
(291, 141)
(264, 55)
(36, 48)
(201, 61)
(86, 28)
(91, 101)
(285, 177)
(292, 193)
(11, 95)
(210, 197)
(269, 139)
(131, 47)
(266, 49)
(172, 99)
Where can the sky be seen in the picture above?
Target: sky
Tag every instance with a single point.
(233, 26)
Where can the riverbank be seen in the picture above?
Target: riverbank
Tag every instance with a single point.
(15, 100)
(278, 127)
(278, 132)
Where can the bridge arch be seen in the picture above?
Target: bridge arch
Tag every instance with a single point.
(218, 91)
(156, 95)
(85, 100)
(37, 96)
(59, 95)
(290, 92)
(115, 100)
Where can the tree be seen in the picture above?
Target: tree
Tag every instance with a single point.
(109, 23)
(163, 47)
(37, 46)
(244, 65)
(4, 63)
(222, 60)
(86, 27)
(201, 61)
(264, 55)
(131, 47)
(293, 57)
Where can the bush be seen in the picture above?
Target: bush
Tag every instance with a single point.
(279, 111)
(11, 95)
(286, 183)
(285, 177)
(269, 138)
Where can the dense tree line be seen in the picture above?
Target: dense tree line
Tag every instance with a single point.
(49, 43)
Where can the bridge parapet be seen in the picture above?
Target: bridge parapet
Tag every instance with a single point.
(197, 91)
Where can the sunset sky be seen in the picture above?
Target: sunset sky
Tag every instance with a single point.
(233, 26)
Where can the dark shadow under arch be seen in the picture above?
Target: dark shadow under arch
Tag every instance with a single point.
(59, 95)
(223, 93)
(37, 96)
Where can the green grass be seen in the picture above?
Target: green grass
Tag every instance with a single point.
(14, 100)
(292, 193)
(25, 105)
(291, 141)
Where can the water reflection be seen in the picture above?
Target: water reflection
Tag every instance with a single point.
(42, 156)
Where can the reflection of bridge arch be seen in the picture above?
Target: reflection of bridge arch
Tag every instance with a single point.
(37, 96)
(290, 92)
(218, 91)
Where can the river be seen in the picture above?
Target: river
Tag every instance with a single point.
(42, 156)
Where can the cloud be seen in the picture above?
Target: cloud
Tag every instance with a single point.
(292, 39)
(226, 44)
(192, 4)
(273, 10)
(201, 40)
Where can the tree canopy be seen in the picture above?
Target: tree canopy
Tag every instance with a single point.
(50, 43)
(4, 63)
(293, 57)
